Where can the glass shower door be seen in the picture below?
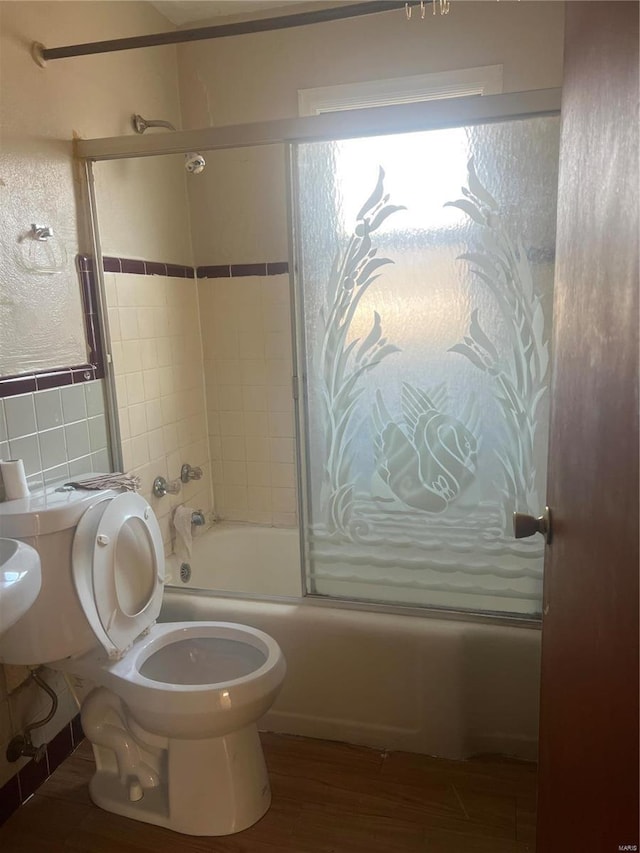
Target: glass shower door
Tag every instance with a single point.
(424, 276)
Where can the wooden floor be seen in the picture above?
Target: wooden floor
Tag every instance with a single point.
(327, 798)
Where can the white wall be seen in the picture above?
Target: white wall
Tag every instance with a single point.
(142, 207)
(41, 110)
(256, 77)
(238, 210)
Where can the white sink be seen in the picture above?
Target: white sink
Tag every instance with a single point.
(20, 580)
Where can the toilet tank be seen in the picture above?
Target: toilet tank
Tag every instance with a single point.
(55, 626)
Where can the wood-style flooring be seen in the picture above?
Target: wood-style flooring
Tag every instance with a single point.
(327, 798)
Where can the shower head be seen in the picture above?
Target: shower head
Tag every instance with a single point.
(194, 163)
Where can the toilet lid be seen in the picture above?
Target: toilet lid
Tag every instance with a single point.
(118, 567)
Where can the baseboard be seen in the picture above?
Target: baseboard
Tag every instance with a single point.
(383, 737)
(405, 739)
(523, 748)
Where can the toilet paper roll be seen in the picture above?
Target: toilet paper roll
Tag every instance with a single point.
(14, 479)
(182, 526)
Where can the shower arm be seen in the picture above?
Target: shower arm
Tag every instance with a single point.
(194, 162)
(141, 124)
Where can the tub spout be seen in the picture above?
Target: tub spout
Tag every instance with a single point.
(197, 518)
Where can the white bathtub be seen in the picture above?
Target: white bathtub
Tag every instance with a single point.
(423, 684)
(242, 559)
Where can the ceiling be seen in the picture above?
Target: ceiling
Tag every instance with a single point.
(182, 12)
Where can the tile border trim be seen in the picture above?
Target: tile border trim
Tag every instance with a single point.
(25, 383)
(241, 270)
(110, 263)
(39, 380)
(28, 779)
(139, 267)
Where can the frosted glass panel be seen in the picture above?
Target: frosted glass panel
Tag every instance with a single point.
(424, 284)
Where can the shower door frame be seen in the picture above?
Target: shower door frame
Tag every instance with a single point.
(371, 121)
(303, 441)
(346, 124)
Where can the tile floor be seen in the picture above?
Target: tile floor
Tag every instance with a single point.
(327, 798)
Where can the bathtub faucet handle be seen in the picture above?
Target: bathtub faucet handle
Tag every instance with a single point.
(188, 473)
(162, 487)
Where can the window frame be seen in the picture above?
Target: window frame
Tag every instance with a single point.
(482, 80)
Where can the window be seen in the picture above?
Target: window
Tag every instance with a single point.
(484, 80)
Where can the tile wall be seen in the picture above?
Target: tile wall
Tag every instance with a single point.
(59, 433)
(157, 357)
(246, 323)
(22, 702)
(21, 786)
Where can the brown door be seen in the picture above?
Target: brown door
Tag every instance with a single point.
(588, 773)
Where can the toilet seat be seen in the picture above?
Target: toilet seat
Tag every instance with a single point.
(117, 565)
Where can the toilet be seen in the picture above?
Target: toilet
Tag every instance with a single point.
(172, 718)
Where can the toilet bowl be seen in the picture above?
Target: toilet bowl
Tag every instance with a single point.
(172, 719)
(194, 679)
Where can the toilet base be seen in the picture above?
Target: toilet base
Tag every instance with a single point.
(214, 786)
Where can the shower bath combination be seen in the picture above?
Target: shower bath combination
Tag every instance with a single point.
(193, 161)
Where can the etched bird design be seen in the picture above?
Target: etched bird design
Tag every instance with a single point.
(430, 459)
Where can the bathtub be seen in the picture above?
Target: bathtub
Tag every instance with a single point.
(243, 559)
(418, 683)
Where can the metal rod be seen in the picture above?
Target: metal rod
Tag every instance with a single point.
(281, 22)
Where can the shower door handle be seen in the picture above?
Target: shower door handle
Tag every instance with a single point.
(525, 525)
